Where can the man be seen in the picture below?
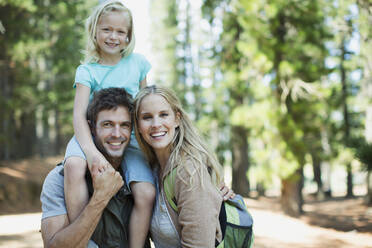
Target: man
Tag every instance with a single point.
(105, 218)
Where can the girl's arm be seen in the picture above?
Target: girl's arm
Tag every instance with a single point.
(82, 130)
(143, 83)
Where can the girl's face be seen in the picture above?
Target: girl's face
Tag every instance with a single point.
(112, 35)
(157, 123)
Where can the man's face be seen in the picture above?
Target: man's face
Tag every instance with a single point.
(112, 131)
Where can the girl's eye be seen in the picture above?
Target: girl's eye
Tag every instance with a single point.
(164, 114)
(146, 117)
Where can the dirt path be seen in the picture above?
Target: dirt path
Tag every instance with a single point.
(276, 230)
(20, 231)
(272, 229)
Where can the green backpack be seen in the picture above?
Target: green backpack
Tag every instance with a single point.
(235, 220)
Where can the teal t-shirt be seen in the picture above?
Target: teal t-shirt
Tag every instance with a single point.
(127, 74)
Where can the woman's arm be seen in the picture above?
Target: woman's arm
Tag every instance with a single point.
(82, 130)
(198, 207)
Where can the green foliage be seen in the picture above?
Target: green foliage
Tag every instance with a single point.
(362, 151)
(364, 154)
(40, 51)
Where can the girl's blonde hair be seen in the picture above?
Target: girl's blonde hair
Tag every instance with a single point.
(187, 143)
(92, 50)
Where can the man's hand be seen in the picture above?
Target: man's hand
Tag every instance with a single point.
(106, 184)
(57, 231)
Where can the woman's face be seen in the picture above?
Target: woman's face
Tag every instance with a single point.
(157, 122)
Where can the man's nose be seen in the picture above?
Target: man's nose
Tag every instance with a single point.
(116, 131)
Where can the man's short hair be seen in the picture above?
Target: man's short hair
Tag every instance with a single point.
(108, 99)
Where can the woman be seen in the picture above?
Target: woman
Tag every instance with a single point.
(169, 140)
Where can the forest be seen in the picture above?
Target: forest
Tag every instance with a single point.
(274, 86)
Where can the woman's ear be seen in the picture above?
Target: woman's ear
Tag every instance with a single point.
(178, 119)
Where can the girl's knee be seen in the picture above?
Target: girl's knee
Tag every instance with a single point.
(75, 167)
(143, 192)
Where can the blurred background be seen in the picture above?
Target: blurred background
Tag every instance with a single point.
(281, 90)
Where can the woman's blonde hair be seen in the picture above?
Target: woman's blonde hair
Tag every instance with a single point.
(187, 144)
(92, 50)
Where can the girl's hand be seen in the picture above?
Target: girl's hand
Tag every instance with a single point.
(226, 192)
(97, 163)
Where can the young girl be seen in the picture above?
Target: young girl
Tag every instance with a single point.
(109, 62)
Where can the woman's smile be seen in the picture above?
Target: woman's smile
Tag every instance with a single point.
(157, 123)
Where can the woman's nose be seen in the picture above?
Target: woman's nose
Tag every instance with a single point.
(155, 122)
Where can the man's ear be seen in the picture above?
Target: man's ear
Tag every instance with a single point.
(92, 128)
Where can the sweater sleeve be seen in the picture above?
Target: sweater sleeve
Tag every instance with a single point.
(199, 204)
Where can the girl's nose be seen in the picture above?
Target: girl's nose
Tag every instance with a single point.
(114, 35)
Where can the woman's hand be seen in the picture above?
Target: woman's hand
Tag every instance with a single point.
(226, 192)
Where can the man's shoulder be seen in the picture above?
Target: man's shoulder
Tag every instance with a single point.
(55, 175)
(52, 195)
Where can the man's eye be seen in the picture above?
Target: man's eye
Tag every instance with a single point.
(107, 124)
(125, 126)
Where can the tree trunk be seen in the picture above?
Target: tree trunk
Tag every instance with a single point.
(59, 140)
(260, 189)
(369, 188)
(26, 135)
(349, 181)
(240, 160)
(5, 93)
(346, 117)
(291, 194)
(326, 176)
(317, 175)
